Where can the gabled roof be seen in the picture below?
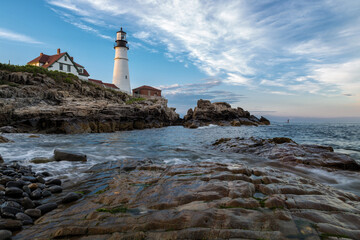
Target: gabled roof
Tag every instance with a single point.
(147, 88)
(95, 81)
(48, 60)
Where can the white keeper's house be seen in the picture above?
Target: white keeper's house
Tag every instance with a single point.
(62, 62)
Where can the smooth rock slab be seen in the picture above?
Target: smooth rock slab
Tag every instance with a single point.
(71, 197)
(44, 208)
(68, 156)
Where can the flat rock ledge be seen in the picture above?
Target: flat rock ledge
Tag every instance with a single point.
(286, 151)
(220, 113)
(204, 201)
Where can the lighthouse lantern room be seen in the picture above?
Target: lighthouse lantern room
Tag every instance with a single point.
(121, 76)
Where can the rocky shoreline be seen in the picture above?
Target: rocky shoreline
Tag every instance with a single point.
(208, 200)
(36, 103)
(220, 113)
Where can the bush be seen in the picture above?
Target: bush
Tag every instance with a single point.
(133, 100)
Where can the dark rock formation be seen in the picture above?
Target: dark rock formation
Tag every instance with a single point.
(68, 156)
(286, 151)
(37, 103)
(220, 113)
(203, 201)
(4, 139)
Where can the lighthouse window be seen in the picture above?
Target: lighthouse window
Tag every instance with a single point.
(125, 76)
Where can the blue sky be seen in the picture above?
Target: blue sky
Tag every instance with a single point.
(273, 58)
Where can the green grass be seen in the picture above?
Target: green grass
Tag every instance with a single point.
(118, 209)
(102, 191)
(133, 100)
(80, 192)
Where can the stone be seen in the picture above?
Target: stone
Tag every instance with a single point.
(11, 204)
(68, 156)
(36, 194)
(10, 224)
(29, 178)
(8, 129)
(11, 210)
(34, 213)
(26, 189)
(54, 181)
(4, 139)
(13, 192)
(40, 179)
(26, 220)
(27, 203)
(55, 189)
(18, 184)
(39, 160)
(32, 186)
(5, 235)
(221, 114)
(71, 197)
(1, 159)
(44, 208)
(46, 193)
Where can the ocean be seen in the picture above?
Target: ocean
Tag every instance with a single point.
(176, 145)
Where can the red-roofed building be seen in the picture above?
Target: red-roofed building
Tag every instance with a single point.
(146, 91)
(62, 62)
(106, 85)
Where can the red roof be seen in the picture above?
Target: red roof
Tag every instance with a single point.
(111, 85)
(102, 83)
(147, 88)
(49, 60)
(95, 81)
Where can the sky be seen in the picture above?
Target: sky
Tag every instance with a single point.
(276, 58)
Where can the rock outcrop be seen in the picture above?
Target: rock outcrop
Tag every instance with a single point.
(286, 151)
(207, 200)
(220, 113)
(37, 103)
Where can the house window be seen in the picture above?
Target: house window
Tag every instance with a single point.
(65, 58)
(69, 68)
(80, 70)
(61, 66)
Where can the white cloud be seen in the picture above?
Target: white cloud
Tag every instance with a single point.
(236, 79)
(18, 37)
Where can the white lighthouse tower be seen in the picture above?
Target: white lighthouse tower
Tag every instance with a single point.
(121, 76)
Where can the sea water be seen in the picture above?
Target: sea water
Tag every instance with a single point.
(177, 145)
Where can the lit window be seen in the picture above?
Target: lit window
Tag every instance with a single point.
(61, 66)
(69, 68)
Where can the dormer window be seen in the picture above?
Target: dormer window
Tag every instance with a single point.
(80, 70)
(65, 58)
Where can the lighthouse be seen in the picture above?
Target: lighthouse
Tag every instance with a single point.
(121, 76)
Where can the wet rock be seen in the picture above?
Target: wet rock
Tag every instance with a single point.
(32, 186)
(29, 178)
(68, 156)
(71, 197)
(46, 193)
(10, 224)
(287, 152)
(18, 184)
(26, 189)
(26, 220)
(11, 204)
(54, 181)
(5, 235)
(27, 203)
(39, 160)
(4, 139)
(8, 129)
(45, 174)
(1, 159)
(220, 113)
(10, 210)
(13, 192)
(36, 194)
(44, 208)
(55, 189)
(40, 179)
(34, 213)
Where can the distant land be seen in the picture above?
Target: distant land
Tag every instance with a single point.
(314, 120)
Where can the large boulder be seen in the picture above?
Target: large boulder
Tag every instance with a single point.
(4, 139)
(220, 113)
(60, 155)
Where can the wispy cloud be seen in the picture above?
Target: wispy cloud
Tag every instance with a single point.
(13, 36)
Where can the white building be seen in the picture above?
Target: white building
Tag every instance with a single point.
(62, 62)
(121, 76)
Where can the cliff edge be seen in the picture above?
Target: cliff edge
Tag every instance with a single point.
(38, 100)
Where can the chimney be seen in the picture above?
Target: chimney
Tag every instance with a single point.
(58, 51)
(41, 54)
